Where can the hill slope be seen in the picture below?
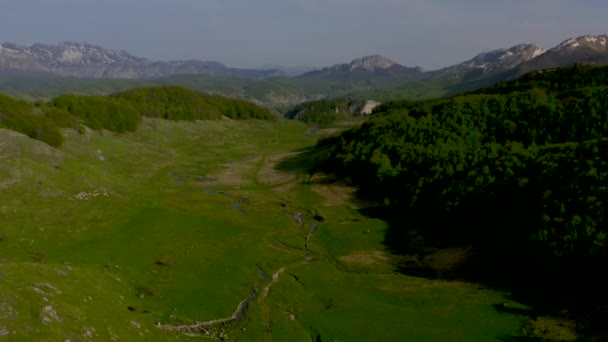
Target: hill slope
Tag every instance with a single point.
(520, 164)
(120, 112)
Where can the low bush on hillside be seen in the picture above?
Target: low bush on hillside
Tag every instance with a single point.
(19, 116)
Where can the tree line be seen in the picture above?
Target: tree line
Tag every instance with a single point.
(519, 169)
(121, 112)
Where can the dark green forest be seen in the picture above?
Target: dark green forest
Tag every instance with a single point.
(325, 111)
(519, 170)
(120, 112)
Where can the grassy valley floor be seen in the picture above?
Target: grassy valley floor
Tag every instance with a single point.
(183, 231)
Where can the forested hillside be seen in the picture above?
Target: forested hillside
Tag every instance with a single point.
(519, 170)
(120, 112)
(176, 103)
(554, 80)
(326, 111)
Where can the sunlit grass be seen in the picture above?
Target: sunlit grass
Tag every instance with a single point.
(176, 222)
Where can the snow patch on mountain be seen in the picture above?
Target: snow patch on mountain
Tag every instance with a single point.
(589, 42)
(496, 60)
(538, 52)
(81, 59)
(71, 56)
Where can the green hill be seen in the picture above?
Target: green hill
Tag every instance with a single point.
(554, 80)
(120, 112)
(177, 103)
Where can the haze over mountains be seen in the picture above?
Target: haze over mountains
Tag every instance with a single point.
(91, 61)
(44, 71)
(519, 59)
(87, 60)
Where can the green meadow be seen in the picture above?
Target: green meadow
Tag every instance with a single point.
(189, 231)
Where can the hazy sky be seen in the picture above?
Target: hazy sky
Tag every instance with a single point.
(247, 33)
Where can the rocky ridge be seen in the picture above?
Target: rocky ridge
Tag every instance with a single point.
(80, 59)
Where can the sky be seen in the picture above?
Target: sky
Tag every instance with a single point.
(252, 33)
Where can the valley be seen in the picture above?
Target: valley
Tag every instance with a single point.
(148, 235)
(314, 171)
(362, 201)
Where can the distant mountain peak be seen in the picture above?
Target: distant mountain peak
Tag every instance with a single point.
(492, 61)
(504, 58)
(72, 54)
(370, 69)
(372, 63)
(593, 42)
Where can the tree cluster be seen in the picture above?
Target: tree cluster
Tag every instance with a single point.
(521, 167)
(120, 112)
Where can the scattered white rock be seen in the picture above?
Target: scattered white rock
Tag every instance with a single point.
(369, 107)
(48, 315)
(37, 290)
(4, 331)
(113, 336)
(45, 289)
(100, 155)
(85, 196)
(7, 312)
(88, 332)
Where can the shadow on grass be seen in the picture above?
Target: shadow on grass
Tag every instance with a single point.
(305, 160)
(496, 260)
(521, 339)
(487, 249)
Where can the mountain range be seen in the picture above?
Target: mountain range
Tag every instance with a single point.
(86, 60)
(91, 61)
(516, 60)
(78, 67)
(365, 68)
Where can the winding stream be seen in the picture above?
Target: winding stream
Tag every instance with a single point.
(210, 327)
